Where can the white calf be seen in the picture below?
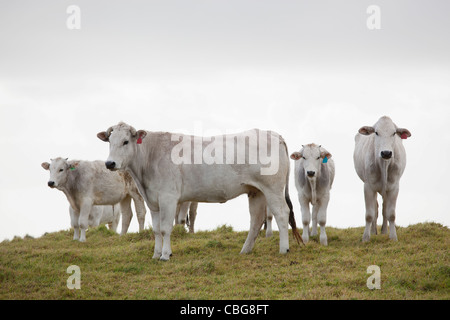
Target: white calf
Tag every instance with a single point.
(314, 175)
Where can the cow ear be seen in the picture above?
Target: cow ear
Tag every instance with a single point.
(366, 130)
(103, 136)
(296, 156)
(141, 134)
(403, 133)
(325, 154)
(45, 165)
(73, 165)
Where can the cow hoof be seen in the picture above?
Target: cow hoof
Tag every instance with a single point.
(164, 258)
(156, 256)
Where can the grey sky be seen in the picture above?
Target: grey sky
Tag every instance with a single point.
(310, 70)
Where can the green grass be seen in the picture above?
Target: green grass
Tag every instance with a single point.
(207, 265)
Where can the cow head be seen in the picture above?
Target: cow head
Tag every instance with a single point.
(386, 134)
(59, 170)
(123, 143)
(312, 156)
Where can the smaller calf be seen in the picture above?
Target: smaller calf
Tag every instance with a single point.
(314, 175)
(109, 214)
(89, 183)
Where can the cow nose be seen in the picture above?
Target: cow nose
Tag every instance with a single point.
(386, 154)
(311, 173)
(110, 164)
(51, 183)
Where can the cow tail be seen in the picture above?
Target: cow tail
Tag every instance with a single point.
(292, 222)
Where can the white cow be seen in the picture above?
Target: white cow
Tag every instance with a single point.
(89, 183)
(314, 175)
(380, 160)
(99, 215)
(182, 216)
(153, 160)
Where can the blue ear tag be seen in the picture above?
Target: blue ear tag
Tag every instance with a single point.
(325, 160)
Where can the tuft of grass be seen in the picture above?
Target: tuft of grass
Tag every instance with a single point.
(207, 265)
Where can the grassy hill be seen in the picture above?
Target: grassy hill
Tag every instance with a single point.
(207, 265)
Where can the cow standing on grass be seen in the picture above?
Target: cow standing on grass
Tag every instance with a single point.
(89, 183)
(314, 175)
(165, 182)
(380, 160)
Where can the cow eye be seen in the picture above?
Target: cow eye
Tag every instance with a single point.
(61, 170)
(304, 158)
(318, 158)
(125, 142)
(376, 133)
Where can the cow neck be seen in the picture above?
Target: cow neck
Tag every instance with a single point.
(384, 176)
(384, 170)
(136, 170)
(71, 189)
(70, 198)
(312, 184)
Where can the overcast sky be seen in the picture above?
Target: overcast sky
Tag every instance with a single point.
(310, 70)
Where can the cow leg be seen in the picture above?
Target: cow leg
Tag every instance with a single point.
(192, 215)
(94, 220)
(127, 214)
(391, 202)
(280, 210)
(370, 198)
(156, 223)
(306, 217)
(257, 204)
(139, 206)
(75, 222)
(315, 210)
(168, 209)
(384, 227)
(322, 218)
(182, 213)
(373, 229)
(269, 218)
(116, 218)
(85, 211)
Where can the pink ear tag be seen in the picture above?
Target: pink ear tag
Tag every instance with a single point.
(139, 140)
(404, 136)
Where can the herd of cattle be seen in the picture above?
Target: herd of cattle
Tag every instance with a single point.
(140, 166)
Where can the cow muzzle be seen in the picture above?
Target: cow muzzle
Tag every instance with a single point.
(51, 184)
(386, 155)
(111, 165)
